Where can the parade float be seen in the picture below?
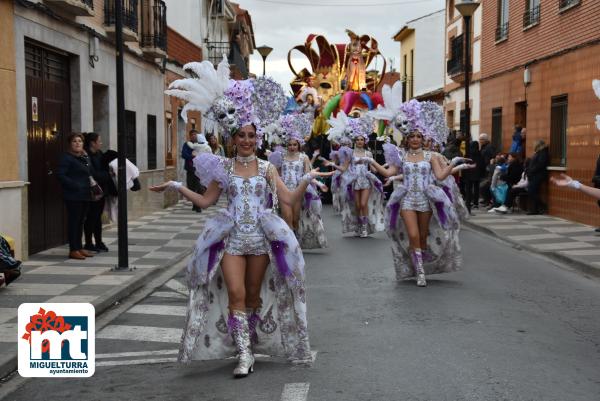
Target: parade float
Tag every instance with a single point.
(341, 77)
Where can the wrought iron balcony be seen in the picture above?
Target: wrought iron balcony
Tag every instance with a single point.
(130, 19)
(84, 8)
(154, 28)
(502, 31)
(455, 65)
(531, 16)
(216, 50)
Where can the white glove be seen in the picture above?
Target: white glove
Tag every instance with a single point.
(574, 184)
(464, 167)
(457, 160)
(175, 185)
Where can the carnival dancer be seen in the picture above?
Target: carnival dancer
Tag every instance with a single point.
(246, 274)
(363, 203)
(303, 217)
(428, 217)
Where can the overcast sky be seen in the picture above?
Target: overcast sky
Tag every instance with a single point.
(282, 27)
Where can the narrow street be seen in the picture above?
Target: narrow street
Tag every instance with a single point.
(509, 326)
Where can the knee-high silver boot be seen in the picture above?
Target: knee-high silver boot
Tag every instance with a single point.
(417, 260)
(364, 226)
(238, 328)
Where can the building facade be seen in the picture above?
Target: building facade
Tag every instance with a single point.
(61, 65)
(454, 89)
(422, 57)
(538, 61)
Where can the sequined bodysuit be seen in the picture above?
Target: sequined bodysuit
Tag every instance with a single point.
(248, 198)
(292, 172)
(417, 177)
(360, 167)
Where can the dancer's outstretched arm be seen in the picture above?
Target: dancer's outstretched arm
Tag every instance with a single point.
(288, 197)
(210, 197)
(566, 181)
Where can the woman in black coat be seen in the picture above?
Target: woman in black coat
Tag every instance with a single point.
(93, 221)
(74, 173)
(537, 174)
(472, 177)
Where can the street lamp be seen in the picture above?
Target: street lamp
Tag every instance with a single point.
(264, 51)
(467, 8)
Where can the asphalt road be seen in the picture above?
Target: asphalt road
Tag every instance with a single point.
(509, 326)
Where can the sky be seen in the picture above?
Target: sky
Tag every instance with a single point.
(283, 26)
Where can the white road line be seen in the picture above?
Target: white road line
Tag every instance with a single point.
(177, 286)
(165, 310)
(137, 353)
(136, 362)
(295, 392)
(140, 333)
(167, 294)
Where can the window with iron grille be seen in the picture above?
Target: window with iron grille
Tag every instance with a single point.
(130, 14)
(502, 20)
(497, 128)
(130, 136)
(558, 131)
(463, 121)
(532, 13)
(151, 140)
(455, 65)
(564, 4)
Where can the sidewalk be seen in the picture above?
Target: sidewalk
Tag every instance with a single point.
(572, 243)
(156, 242)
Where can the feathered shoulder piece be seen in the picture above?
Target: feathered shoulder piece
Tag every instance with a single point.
(276, 157)
(211, 168)
(392, 155)
(345, 154)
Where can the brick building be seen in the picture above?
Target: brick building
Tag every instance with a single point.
(538, 61)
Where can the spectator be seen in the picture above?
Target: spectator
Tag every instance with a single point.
(498, 188)
(187, 153)
(486, 148)
(516, 180)
(596, 182)
(517, 140)
(472, 177)
(537, 174)
(74, 172)
(9, 266)
(93, 220)
(215, 147)
(111, 163)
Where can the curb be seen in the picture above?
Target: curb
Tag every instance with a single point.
(104, 302)
(582, 267)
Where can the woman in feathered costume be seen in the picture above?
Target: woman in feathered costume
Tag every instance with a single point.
(246, 274)
(303, 217)
(362, 205)
(428, 216)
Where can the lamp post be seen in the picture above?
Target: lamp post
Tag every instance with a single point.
(264, 51)
(467, 8)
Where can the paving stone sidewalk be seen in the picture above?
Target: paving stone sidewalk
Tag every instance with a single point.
(573, 243)
(156, 242)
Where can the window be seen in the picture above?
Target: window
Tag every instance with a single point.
(169, 141)
(463, 121)
(404, 78)
(450, 119)
(532, 13)
(130, 135)
(558, 131)
(497, 128)
(502, 20)
(151, 140)
(411, 76)
(564, 5)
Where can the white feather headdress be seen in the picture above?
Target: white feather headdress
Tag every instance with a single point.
(339, 125)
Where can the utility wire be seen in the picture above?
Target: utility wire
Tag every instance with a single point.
(300, 4)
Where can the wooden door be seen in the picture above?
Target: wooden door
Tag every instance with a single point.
(48, 125)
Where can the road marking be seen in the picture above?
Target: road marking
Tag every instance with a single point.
(167, 294)
(141, 333)
(295, 392)
(165, 310)
(177, 287)
(137, 353)
(136, 362)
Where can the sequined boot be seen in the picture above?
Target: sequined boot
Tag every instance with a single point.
(238, 328)
(364, 226)
(417, 260)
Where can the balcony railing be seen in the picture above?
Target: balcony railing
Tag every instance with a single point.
(563, 4)
(455, 65)
(130, 17)
(502, 31)
(216, 50)
(73, 7)
(531, 16)
(154, 28)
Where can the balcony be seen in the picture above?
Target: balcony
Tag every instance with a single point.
(531, 17)
(130, 19)
(502, 32)
(216, 50)
(74, 8)
(455, 66)
(154, 28)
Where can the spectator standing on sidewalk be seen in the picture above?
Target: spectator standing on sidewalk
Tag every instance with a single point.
(93, 219)
(517, 140)
(187, 153)
(537, 174)
(472, 177)
(74, 172)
